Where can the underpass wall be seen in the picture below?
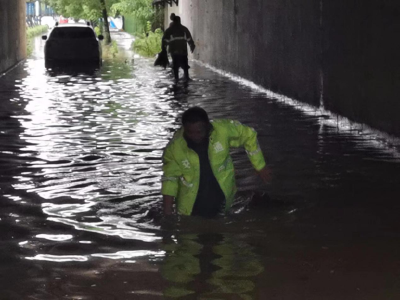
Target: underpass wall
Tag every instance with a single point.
(361, 61)
(12, 33)
(341, 54)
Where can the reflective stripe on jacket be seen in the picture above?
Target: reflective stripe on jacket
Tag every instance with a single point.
(176, 37)
(182, 168)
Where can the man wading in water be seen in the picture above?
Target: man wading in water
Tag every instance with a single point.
(198, 169)
(176, 37)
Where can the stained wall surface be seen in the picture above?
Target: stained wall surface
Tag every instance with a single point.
(12, 33)
(341, 54)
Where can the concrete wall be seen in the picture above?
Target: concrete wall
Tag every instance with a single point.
(12, 33)
(341, 53)
(361, 61)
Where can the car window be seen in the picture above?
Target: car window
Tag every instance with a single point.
(72, 33)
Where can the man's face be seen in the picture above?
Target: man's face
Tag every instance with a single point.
(196, 132)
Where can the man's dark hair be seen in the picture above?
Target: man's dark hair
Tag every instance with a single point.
(195, 114)
(177, 19)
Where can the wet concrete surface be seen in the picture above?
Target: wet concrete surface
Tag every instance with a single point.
(80, 193)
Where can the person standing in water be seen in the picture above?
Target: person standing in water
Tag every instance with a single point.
(198, 172)
(176, 37)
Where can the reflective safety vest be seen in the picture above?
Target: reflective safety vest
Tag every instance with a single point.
(177, 37)
(181, 166)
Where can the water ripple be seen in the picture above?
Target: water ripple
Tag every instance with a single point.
(80, 184)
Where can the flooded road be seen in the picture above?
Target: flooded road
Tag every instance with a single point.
(80, 193)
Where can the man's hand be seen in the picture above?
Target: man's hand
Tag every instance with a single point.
(168, 203)
(192, 47)
(265, 175)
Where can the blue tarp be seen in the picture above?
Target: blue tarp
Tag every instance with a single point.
(112, 25)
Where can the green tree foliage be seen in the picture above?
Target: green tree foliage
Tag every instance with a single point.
(141, 9)
(84, 9)
(95, 9)
(92, 9)
(77, 9)
(149, 43)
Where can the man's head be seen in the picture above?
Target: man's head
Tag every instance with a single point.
(196, 124)
(177, 20)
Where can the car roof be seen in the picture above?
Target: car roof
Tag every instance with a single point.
(73, 25)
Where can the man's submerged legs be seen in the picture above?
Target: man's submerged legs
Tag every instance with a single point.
(180, 61)
(185, 64)
(175, 66)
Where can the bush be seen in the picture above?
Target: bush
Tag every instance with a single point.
(97, 30)
(31, 32)
(149, 43)
(35, 31)
(110, 51)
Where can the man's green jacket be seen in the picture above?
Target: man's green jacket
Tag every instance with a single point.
(182, 168)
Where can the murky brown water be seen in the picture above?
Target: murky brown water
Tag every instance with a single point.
(80, 194)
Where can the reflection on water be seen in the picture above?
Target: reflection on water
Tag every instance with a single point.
(80, 193)
(209, 265)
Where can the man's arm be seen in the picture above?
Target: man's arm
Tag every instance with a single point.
(189, 40)
(165, 39)
(245, 136)
(172, 172)
(265, 174)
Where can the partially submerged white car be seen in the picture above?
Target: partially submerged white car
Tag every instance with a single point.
(72, 44)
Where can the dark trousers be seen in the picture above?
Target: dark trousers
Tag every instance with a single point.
(180, 61)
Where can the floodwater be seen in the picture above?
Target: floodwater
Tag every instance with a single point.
(80, 186)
